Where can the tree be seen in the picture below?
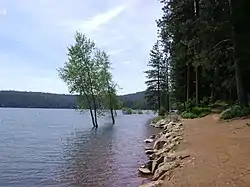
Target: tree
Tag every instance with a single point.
(157, 83)
(86, 74)
(207, 41)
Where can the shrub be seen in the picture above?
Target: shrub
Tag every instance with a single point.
(188, 115)
(219, 104)
(201, 111)
(189, 105)
(195, 112)
(162, 111)
(157, 118)
(127, 111)
(235, 111)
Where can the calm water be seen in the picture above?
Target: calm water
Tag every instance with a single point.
(42, 147)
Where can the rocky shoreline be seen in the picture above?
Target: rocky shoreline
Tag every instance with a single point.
(162, 154)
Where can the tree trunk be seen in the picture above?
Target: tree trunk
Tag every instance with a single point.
(237, 8)
(111, 108)
(91, 111)
(95, 112)
(197, 85)
(158, 89)
(188, 82)
(167, 89)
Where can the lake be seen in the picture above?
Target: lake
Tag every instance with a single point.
(58, 148)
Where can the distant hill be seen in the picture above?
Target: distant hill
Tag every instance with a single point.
(18, 99)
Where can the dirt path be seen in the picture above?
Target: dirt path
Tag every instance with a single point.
(220, 154)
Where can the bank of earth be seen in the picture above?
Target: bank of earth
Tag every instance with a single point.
(210, 152)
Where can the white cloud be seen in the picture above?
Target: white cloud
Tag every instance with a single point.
(102, 18)
(93, 23)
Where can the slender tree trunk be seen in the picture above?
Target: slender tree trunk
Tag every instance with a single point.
(240, 49)
(158, 89)
(112, 116)
(198, 75)
(167, 89)
(95, 111)
(91, 111)
(188, 81)
(111, 108)
(197, 13)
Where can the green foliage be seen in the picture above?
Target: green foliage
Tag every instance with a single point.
(157, 118)
(157, 78)
(219, 104)
(235, 111)
(162, 111)
(188, 115)
(87, 74)
(127, 111)
(189, 105)
(196, 112)
(207, 50)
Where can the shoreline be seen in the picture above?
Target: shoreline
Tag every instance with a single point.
(163, 154)
(217, 154)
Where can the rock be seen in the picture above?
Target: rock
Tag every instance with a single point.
(158, 183)
(157, 162)
(175, 139)
(149, 165)
(144, 171)
(148, 140)
(169, 147)
(150, 151)
(160, 143)
(166, 167)
(148, 148)
(170, 157)
(153, 136)
(152, 157)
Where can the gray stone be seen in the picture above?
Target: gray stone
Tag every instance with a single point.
(156, 163)
(158, 183)
(153, 136)
(149, 151)
(166, 167)
(160, 143)
(148, 140)
(144, 171)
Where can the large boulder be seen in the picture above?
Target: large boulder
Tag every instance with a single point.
(158, 183)
(156, 163)
(166, 167)
(168, 147)
(152, 136)
(144, 171)
(160, 143)
(148, 148)
(150, 151)
(148, 140)
(146, 168)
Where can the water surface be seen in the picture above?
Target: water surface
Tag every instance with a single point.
(58, 148)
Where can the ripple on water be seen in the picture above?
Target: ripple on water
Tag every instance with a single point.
(58, 148)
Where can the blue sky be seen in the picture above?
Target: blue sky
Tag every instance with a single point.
(34, 35)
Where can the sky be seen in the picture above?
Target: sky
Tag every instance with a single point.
(34, 35)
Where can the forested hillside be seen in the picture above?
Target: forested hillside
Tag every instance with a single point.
(18, 99)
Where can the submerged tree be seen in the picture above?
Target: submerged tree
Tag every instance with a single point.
(86, 74)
